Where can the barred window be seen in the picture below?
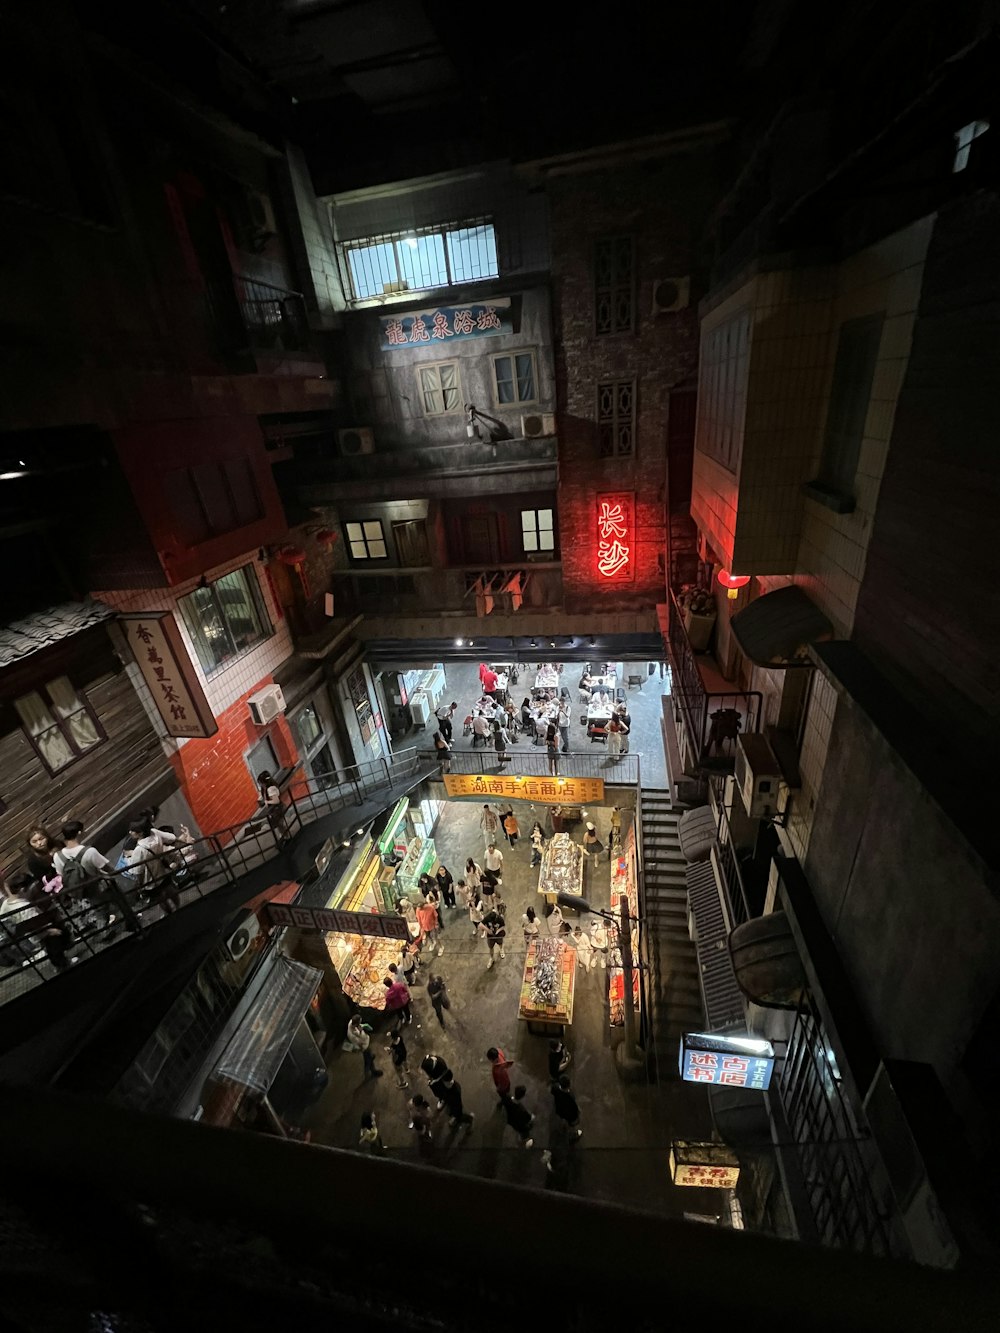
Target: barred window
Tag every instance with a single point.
(616, 418)
(614, 285)
(420, 260)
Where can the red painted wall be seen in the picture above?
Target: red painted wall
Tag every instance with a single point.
(213, 772)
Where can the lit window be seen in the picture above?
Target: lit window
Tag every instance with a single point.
(419, 260)
(439, 388)
(536, 530)
(614, 285)
(366, 540)
(514, 378)
(309, 727)
(225, 618)
(963, 142)
(616, 418)
(59, 723)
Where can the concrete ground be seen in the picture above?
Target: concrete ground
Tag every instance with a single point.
(623, 1154)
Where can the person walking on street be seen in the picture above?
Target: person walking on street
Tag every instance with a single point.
(511, 828)
(397, 1053)
(359, 1036)
(599, 942)
(473, 874)
(537, 843)
(436, 1070)
(446, 885)
(496, 932)
(408, 963)
(432, 894)
(592, 844)
(617, 731)
(489, 822)
(420, 1118)
(500, 739)
(370, 1138)
(494, 860)
(559, 1059)
(476, 914)
(584, 951)
(397, 1001)
(563, 721)
(565, 1105)
(554, 919)
(444, 715)
(519, 1117)
(529, 924)
(427, 917)
(499, 1065)
(451, 1093)
(438, 992)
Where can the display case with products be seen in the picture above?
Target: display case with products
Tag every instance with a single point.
(623, 884)
(548, 986)
(420, 859)
(363, 966)
(394, 841)
(562, 867)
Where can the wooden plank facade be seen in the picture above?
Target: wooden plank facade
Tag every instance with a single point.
(105, 781)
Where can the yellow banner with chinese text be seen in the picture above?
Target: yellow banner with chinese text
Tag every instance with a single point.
(561, 791)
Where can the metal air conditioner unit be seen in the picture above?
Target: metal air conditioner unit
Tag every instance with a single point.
(266, 705)
(538, 424)
(758, 776)
(420, 709)
(356, 440)
(242, 936)
(670, 295)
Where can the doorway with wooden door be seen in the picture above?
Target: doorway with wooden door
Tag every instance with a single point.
(480, 539)
(411, 543)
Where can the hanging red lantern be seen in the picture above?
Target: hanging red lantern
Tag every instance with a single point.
(296, 557)
(733, 583)
(325, 538)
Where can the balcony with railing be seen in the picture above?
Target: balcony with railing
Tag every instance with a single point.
(710, 710)
(274, 319)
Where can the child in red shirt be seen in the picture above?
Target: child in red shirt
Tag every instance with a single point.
(499, 1066)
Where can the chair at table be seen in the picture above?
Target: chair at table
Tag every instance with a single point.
(635, 680)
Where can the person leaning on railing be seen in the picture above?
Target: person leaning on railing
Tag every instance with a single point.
(30, 920)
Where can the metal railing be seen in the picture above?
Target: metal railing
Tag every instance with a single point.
(699, 706)
(49, 933)
(272, 316)
(733, 886)
(527, 760)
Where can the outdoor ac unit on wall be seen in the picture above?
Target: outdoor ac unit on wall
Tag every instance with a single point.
(266, 705)
(356, 440)
(537, 425)
(758, 776)
(242, 936)
(671, 295)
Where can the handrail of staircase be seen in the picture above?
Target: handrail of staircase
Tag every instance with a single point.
(36, 937)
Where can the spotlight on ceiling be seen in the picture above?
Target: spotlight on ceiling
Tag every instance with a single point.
(552, 643)
(532, 644)
(570, 642)
(593, 643)
(459, 642)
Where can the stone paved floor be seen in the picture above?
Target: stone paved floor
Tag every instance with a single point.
(622, 1156)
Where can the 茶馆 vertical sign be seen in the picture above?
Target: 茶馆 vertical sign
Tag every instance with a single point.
(169, 672)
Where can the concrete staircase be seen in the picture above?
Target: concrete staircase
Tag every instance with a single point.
(675, 992)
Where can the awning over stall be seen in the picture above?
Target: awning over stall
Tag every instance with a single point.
(775, 630)
(258, 1047)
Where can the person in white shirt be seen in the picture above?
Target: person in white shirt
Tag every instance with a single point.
(494, 859)
(97, 868)
(599, 941)
(529, 923)
(554, 920)
(584, 952)
(480, 728)
(149, 862)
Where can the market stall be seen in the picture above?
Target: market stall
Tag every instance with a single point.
(420, 859)
(624, 884)
(548, 987)
(561, 870)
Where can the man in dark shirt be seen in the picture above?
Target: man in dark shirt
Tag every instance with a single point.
(565, 1104)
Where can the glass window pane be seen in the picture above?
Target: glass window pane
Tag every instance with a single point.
(376, 549)
(238, 607)
(525, 378)
(546, 540)
(70, 708)
(530, 541)
(421, 261)
(353, 532)
(449, 376)
(431, 387)
(372, 266)
(359, 550)
(206, 627)
(504, 370)
(472, 253)
(308, 726)
(545, 518)
(527, 520)
(451, 400)
(373, 528)
(40, 725)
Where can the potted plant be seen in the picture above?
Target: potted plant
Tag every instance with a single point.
(698, 610)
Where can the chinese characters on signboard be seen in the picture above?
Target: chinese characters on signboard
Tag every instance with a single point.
(734, 1062)
(566, 791)
(325, 919)
(439, 327)
(615, 523)
(710, 1165)
(169, 672)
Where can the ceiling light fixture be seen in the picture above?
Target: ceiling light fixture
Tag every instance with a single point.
(459, 642)
(593, 643)
(532, 644)
(552, 643)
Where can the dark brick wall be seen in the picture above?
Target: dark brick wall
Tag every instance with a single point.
(662, 204)
(927, 608)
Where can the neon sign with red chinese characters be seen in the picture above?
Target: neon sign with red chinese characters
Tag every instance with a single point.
(615, 517)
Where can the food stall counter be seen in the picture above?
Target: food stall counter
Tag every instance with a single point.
(548, 987)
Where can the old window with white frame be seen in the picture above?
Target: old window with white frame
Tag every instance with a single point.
(366, 539)
(440, 390)
(59, 723)
(537, 530)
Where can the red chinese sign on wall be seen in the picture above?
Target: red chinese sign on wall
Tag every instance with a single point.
(615, 527)
(169, 672)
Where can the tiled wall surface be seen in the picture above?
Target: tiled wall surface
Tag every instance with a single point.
(237, 678)
(815, 742)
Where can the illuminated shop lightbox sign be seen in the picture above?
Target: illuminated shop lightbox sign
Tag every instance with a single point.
(615, 520)
(567, 791)
(703, 1165)
(735, 1062)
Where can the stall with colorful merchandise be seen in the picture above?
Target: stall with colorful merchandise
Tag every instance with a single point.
(420, 859)
(624, 884)
(561, 870)
(548, 986)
